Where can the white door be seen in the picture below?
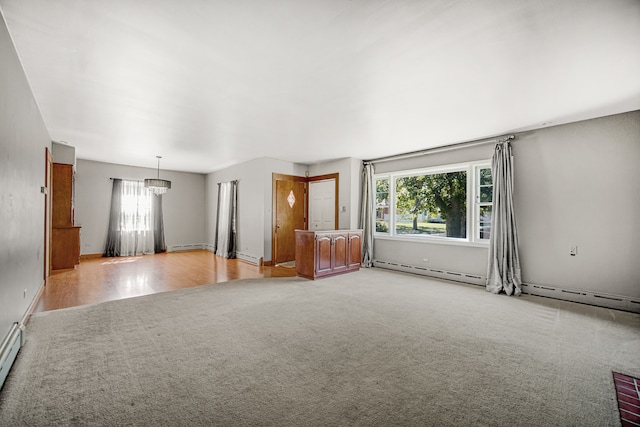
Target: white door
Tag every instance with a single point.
(322, 205)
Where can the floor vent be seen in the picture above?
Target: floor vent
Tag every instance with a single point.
(9, 350)
(628, 395)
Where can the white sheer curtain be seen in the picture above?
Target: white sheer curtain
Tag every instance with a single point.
(225, 243)
(136, 219)
(503, 272)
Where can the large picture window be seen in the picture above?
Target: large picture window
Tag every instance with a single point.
(449, 203)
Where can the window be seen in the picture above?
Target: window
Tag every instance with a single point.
(136, 207)
(484, 202)
(382, 205)
(449, 203)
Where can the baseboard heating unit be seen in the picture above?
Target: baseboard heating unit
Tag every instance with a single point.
(249, 258)
(9, 351)
(188, 247)
(599, 299)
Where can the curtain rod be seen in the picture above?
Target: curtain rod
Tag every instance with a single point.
(438, 150)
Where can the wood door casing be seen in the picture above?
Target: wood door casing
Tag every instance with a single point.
(290, 213)
(48, 172)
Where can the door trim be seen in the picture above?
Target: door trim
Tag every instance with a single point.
(335, 176)
(48, 224)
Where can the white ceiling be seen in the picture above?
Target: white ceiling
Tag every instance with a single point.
(208, 84)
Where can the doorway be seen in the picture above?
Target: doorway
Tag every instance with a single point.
(291, 205)
(289, 214)
(323, 206)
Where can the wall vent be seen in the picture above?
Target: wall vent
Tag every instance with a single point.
(617, 302)
(9, 351)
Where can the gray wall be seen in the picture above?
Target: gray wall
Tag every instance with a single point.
(183, 205)
(575, 184)
(254, 202)
(23, 139)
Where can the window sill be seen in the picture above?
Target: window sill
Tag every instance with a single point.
(433, 240)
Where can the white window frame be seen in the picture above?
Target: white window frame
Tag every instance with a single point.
(473, 204)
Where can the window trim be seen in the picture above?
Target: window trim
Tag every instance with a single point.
(473, 203)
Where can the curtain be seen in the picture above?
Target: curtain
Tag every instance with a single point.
(159, 244)
(366, 214)
(503, 273)
(133, 220)
(112, 247)
(225, 243)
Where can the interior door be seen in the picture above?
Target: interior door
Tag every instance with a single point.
(322, 205)
(290, 215)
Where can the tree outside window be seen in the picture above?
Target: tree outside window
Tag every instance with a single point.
(433, 204)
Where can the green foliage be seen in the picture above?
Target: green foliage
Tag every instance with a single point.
(443, 193)
(382, 227)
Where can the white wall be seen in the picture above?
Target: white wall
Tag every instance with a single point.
(63, 153)
(575, 184)
(183, 205)
(23, 140)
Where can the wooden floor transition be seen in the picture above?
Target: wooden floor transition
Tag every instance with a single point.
(97, 280)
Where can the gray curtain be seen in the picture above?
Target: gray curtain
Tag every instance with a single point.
(366, 215)
(159, 244)
(225, 243)
(112, 247)
(503, 273)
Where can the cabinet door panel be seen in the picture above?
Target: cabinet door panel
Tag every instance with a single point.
(340, 244)
(355, 250)
(323, 254)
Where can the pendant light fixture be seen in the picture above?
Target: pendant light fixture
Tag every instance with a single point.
(157, 185)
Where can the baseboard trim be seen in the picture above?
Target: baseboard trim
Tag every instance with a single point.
(599, 299)
(89, 256)
(32, 306)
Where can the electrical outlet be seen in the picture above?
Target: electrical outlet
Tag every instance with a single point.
(24, 294)
(425, 259)
(573, 251)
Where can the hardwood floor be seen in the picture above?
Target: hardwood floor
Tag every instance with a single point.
(105, 279)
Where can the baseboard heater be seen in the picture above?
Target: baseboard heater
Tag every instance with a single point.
(599, 299)
(188, 247)
(249, 258)
(9, 351)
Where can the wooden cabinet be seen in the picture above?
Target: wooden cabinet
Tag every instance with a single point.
(65, 236)
(326, 253)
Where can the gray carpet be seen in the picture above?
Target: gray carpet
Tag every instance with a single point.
(368, 348)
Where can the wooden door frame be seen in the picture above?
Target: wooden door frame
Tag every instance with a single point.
(306, 180)
(335, 176)
(282, 177)
(48, 222)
